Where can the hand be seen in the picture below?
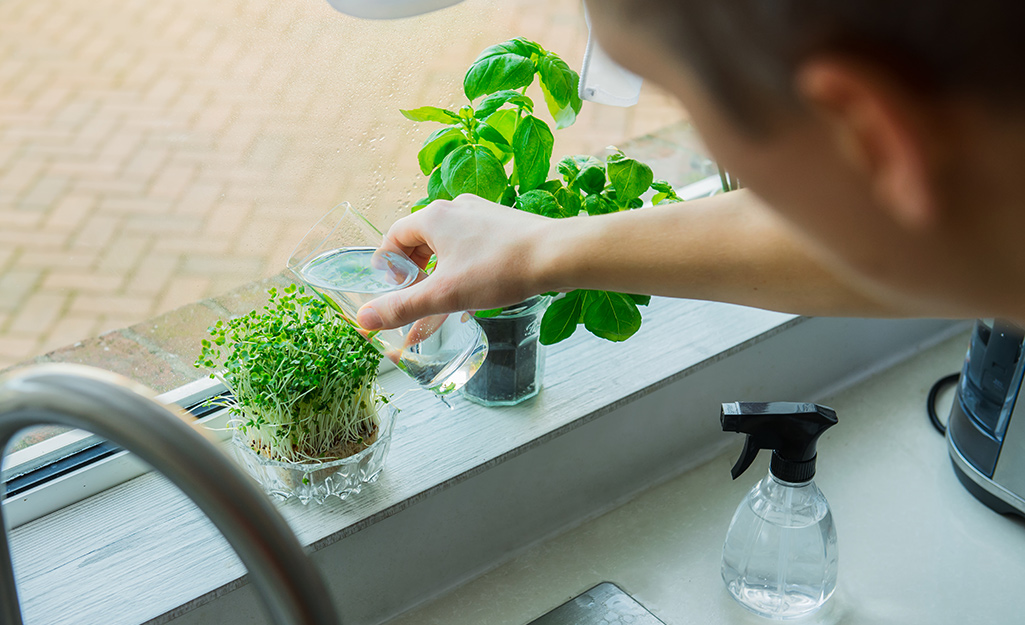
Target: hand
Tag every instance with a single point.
(487, 258)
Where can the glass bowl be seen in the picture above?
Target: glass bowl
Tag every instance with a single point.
(317, 481)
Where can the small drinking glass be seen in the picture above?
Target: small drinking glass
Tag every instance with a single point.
(348, 262)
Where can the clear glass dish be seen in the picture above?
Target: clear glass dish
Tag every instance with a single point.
(317, 481)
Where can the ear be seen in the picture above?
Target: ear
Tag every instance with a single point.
(882, 130)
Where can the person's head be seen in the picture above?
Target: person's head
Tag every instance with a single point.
(891, 132)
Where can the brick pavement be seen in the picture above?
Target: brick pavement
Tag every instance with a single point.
(152, 155)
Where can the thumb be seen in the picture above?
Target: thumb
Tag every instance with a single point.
(398, 308)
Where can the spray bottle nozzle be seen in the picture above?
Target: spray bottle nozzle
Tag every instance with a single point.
(789, 429)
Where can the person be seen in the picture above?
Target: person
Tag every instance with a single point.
(880, 144)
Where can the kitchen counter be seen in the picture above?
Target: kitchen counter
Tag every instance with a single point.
(915, 546)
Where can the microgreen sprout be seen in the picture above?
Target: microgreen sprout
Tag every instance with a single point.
(303, 380)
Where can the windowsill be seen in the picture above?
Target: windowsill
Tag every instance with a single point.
(465, 488)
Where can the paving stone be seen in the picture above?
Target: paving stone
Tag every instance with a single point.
(38, 314)
(114, 352)
(250, 296)
(82, 281)
(121, 304)
(179, 332)
(70, 329)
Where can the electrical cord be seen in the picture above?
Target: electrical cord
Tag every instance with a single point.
(930, 403)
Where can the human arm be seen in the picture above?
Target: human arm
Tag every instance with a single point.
(728, 248)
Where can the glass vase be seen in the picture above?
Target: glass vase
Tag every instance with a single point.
(513, 369)
(317, 481)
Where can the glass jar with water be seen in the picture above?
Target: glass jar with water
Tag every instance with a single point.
(348, 262)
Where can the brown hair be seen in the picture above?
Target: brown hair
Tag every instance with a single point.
(745, 51)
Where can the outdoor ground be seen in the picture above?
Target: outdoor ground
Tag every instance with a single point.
(152, 155)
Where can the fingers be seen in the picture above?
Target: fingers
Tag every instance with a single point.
(410, 233)
(399, 308)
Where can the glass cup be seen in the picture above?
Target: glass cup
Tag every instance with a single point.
(348, 262)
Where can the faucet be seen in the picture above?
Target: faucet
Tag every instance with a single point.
(121, 411)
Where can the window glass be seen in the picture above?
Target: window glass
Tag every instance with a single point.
(155, 154)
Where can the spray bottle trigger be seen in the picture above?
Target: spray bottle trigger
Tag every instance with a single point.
(747, 456)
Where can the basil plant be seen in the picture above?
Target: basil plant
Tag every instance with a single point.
(496, 148)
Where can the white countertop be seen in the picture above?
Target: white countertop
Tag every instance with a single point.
(915, 546)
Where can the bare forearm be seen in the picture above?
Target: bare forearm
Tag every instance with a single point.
(727, 248)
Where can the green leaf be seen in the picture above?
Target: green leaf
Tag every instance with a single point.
(559, 84)
(551, 186)
(473, 169)
(591, 179)
(569, 167)
(569, 201)
(597, 204)
(503, 66)
(495, 141)
(508, 196)
(532, 152)
(561, 318)
(487, 314)
(640, 300)
(437, 147)
(630, 178)
(611, 316)
(436, 187)
(666, 193)
(504, 122)
(499, 99)
(491, 134)
(430, 114)
(421, 203)
(539, 202)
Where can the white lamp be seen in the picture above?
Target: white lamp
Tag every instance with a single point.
(389, 9)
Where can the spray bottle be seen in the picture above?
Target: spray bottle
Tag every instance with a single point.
(780, 555)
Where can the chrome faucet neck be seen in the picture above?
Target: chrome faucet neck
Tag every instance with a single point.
(118, 410)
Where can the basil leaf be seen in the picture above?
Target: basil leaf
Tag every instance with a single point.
(597, 204)
(569, 201)
(640, 300)
(499, 99)
(532, 152)
(569, 168)
(503, 66)
(490, 133)
(473, 169)
(421, 203)
(611, 316)
(591, 179)
(559, 84)
(436, 188)
(496, 141)
(561, 318)
(539, 202)
(487, 314)
(666, 193)
(662, 186)
(551, 186)
(630, 178)
(508, 196)
(504, 122)
(430, 114)
(436, 149)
